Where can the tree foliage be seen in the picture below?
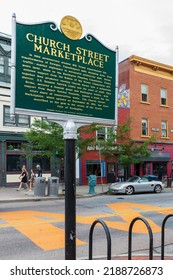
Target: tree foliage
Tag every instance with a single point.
(118, 145)
(46, 138)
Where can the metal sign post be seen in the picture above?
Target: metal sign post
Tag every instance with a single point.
(70, 136)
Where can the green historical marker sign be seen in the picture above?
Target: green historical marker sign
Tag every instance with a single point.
(62, 76)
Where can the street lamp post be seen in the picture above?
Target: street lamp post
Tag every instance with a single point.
(70, 136)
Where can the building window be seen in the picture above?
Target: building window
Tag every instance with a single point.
(44, 162)
(7, 119)
(163, 95)
(23, 120)
(93, 168)
(11, 146)
(144, 93)
(96, 167)
(104, 133)
(15, 163)
(2, 64)
(164, 129)
(9, 66)
(144, 127)
(19, 120)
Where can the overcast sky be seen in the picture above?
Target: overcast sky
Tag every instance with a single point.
(139, 27)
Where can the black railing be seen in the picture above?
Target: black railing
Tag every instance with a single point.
(108, 236)
(130, 237)
(163, 236)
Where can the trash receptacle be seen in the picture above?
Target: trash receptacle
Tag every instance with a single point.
(39, 186)
(169, 182)
(53, 186)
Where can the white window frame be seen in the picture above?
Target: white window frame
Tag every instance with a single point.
(9, 66)
(19, 120)
(163, 97)
(145, 130)
(164, 129)
(2, 65)
(103, 134)
(144, 93)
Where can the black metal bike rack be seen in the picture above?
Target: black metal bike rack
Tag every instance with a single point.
(130, 237)
(163, 236)
(108, 236)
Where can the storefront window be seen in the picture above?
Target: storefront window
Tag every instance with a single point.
(146, 168)
(43, 162)
(93, 168)
(111, 168)
(160, 169)
(14, 146)
(15, 162)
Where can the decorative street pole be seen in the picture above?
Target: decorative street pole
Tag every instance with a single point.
(70, 136)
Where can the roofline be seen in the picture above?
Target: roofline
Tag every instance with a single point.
(155, 65)
(4, 35)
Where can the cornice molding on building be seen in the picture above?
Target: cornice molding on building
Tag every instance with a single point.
(151, 67)
(11, 137)
(145, 61)
(5, 35)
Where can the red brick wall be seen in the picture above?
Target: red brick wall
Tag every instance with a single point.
(152, 111)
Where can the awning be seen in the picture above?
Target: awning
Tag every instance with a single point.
(158, 157)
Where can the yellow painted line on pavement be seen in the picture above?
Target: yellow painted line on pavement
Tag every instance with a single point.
(39, 230)
(128, 211)
(38, 226)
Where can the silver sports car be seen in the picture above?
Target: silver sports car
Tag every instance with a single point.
(136, 184)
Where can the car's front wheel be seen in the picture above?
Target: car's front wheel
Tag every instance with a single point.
(158, 189)
(129, 190)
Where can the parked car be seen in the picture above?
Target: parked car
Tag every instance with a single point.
(151, 177)
(136, 184)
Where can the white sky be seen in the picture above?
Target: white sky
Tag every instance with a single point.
(139, 27)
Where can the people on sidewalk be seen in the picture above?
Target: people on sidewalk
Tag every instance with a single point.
(31, 180)
(39, 170)
(24, 179)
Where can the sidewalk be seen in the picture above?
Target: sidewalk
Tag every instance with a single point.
(9, 194)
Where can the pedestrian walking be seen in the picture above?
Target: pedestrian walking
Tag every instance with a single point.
(31, 180)
(39, 170)
(24, 178)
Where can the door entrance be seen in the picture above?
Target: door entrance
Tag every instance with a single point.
(111, 172)
(160, 169)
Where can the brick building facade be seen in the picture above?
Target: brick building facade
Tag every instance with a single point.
(145, 95)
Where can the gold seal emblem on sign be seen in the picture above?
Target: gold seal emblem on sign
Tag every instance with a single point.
(71, 27)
